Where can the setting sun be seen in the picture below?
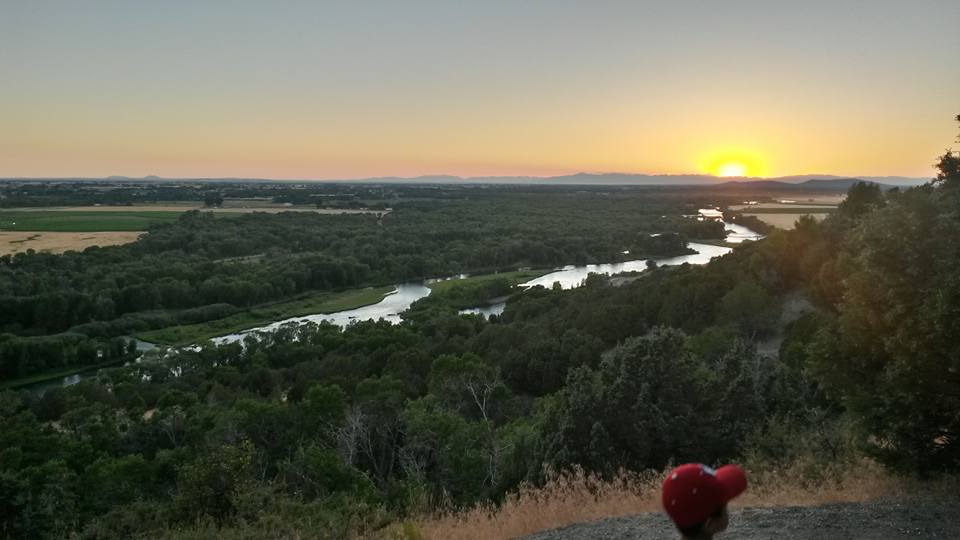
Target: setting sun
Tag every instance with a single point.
(734, 161)
(732, 169)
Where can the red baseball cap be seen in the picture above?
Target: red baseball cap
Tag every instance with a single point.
(692, 492)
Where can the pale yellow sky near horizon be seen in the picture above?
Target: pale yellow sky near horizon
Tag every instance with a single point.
(322, 90)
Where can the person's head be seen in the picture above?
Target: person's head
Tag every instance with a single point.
(695, 497)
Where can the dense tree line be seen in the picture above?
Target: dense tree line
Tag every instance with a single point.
(21, 356)
(202, 268)
(380, 419)
(125, 192)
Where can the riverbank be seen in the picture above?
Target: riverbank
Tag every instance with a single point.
(315, 304)
(326, 302)
(720, 242)
(461, 292)
(46, 376)
(511, 278)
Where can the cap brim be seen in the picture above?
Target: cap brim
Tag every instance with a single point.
(733, 480)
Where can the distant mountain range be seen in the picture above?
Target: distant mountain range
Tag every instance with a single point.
(838, 184)
(824, 182)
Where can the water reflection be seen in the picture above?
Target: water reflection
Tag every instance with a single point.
(569, 277)
(572, 276)
(41, 388)
(738, 233)
(388, 309)
(486, 311)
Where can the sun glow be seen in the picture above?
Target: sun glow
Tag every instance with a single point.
(733, 162)
(732, 169)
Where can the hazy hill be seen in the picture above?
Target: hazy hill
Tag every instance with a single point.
(842, 185)
(818, 181)
(810, 181)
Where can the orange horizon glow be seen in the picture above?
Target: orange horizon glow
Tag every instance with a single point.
(364, 90)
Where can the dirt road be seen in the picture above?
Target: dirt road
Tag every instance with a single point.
(892, 518)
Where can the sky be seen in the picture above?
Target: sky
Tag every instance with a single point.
(314, 90)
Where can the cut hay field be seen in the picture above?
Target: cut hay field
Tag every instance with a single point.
(786, 209)
(785, 221)
(60, 229)
(778, 206)
(783, 215)
(13, 242)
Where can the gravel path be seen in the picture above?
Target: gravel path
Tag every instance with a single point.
(913, 517)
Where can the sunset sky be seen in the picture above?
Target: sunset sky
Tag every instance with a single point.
(357, 89)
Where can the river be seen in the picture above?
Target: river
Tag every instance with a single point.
(568, 277)
(405, 294)
(388, 309)
(572, 276)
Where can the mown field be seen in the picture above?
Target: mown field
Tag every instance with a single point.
(82, 221)
(784, 215)
(307, 305)
(786, 221)
(786, 209)
(13, 242)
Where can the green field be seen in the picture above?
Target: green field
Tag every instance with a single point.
(515, 278)
(78, 221)
(791, 210)
(86, 221)
(308, 305)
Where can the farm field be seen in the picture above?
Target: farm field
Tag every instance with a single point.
(82, 221)
(127, 218)
(13, 242)
(785, 220)
(784, 214)
(791, 210)
(773, 207)
(229, 207)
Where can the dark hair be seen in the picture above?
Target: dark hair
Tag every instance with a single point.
(695, 531)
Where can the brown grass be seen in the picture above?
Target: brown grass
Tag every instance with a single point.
(579, 497)
(12, 242)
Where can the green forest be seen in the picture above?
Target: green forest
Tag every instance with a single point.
(317, 432)
(201, 268)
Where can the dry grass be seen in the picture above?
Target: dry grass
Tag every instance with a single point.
(12, 242)
(578, 497)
